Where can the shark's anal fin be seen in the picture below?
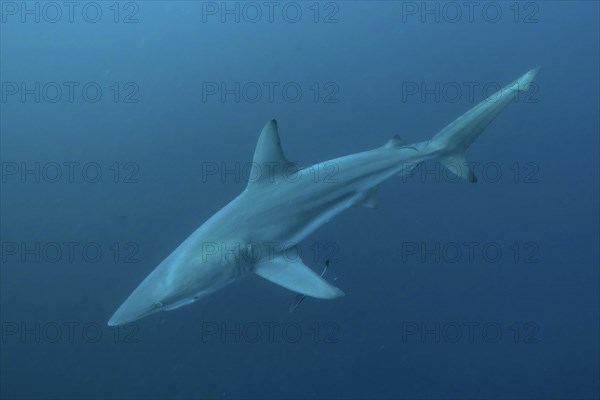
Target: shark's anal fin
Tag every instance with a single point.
(294, 275)
(458, 165)
(269, 163)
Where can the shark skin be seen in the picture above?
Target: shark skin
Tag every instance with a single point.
(283, 203)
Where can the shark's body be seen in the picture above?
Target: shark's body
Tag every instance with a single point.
(283, 203)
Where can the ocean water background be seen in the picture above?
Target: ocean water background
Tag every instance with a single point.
(423, 317)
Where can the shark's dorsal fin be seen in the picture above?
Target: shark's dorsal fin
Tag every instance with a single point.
(269, 163)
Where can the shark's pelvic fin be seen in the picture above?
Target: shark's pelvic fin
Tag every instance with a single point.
(294, 275)
(458, 165)
(269, 162)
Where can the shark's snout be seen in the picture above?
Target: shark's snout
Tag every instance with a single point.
(133, 309)
(146, 299)
(158, 292)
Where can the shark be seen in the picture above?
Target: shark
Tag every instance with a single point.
(284, 202)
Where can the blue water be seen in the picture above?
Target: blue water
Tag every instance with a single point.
(432, 310)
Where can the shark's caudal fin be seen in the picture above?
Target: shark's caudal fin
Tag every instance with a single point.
(452, 141)
(294, 275)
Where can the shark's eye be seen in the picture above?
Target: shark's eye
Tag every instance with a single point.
(158, 304)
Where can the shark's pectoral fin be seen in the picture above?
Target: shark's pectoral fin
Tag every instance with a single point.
(458, 165)
(294, 275)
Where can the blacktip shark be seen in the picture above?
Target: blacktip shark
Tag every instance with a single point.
(278, 209)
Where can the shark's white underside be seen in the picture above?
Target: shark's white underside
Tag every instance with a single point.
(284, 203)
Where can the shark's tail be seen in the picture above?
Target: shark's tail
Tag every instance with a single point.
(451, 142)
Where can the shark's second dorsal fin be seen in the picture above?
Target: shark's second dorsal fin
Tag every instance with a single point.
(269, 163)
(395, 142)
